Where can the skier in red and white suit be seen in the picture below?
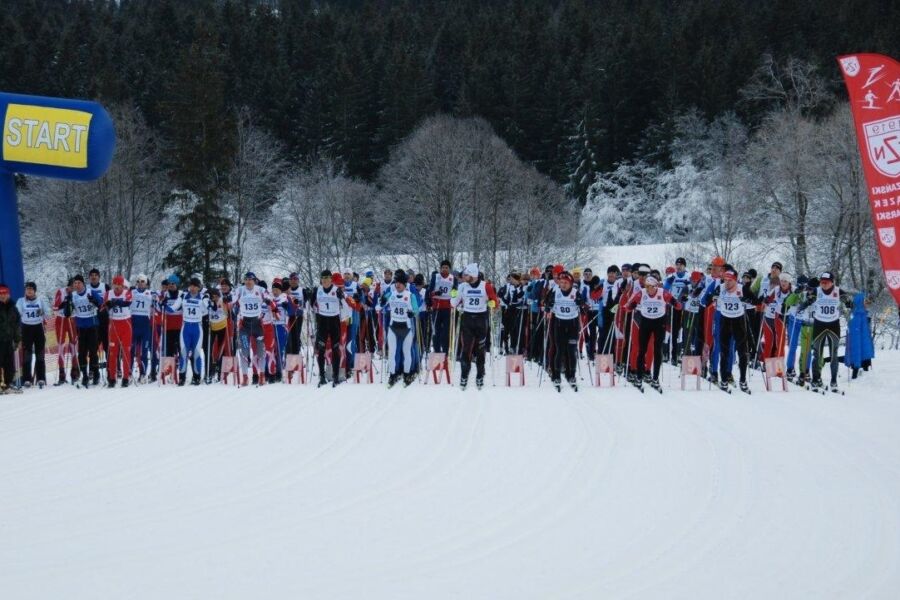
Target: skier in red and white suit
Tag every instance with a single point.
(118, 304)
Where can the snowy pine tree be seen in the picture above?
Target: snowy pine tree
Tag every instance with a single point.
(583, 166)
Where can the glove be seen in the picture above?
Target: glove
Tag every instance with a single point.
(454, 293)
(410, 314)
(382, 301)
(492, 304)
(579, 301)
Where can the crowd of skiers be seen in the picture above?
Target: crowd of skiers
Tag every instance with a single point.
(637, 315)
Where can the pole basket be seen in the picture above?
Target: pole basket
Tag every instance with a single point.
(293, 363)
(437, 362)
(775, 369)
(691, 366)
(604, 364)
(515, 364)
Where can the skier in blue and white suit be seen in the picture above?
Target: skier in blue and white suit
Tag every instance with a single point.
(402, 306)
(677, 284)
(194, 306)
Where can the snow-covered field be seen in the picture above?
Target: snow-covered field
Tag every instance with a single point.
(428, 492)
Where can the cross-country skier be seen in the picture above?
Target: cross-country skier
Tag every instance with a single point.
(117, 302)
(402, 307)
(474, 297)
(248, 302)
(220, 330)
(678, 284)
(172, 317)
(283, 309)
(194, 306)
(773, 317)
(437, 299)
(295, 320)
(564, 303)
(10, 339)
(95, 285)
(828, 302)
(516, 312)
(83, 305)
(732, 327)
(651, 302)
(142, 301)
(33, 310)
(327, 300)
(65, 335)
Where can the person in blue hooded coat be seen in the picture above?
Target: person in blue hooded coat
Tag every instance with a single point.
(860, 348)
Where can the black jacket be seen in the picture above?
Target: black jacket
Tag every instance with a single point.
(10, 324)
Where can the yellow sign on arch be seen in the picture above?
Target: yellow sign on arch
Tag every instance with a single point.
(46, 136)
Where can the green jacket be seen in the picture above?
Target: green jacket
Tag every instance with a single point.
(10, 324)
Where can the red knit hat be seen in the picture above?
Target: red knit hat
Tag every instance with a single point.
(118, 280)
(337, 279)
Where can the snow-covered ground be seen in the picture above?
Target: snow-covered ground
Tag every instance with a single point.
(428, 492)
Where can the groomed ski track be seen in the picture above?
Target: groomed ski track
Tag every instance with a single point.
(428, 492)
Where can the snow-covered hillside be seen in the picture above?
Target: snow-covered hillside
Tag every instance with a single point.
(429, 492)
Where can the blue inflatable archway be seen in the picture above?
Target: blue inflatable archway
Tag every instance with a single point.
(45, 137)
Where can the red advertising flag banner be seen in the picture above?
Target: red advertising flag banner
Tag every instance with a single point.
(873, 83)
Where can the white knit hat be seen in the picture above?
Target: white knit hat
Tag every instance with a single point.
(471, 270)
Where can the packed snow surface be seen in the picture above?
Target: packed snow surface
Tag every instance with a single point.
(429, 492)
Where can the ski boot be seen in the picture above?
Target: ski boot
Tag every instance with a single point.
(479, 382)
(463, 383)
(322, 381)
(182, 379)
(110, 383)
(723, 385)
(556, 384)
(96, 380)
(654, 383)
(42, 384)
(256, 379)
(833, 387)
(572, 383)
(392, 380)
(817, 384)
(714, 379)
(26, 385)
(408, 379)
(791, 375)
(730, 379)
(152, 378)
(85, 380)
(196, 379)
(744, 387)
(125, 383)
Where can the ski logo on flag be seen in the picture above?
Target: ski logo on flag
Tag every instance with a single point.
(850, 64)
(883, 143)
(888, 236)
(893, 279)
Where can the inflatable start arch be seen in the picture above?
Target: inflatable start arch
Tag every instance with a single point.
(46, 137)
